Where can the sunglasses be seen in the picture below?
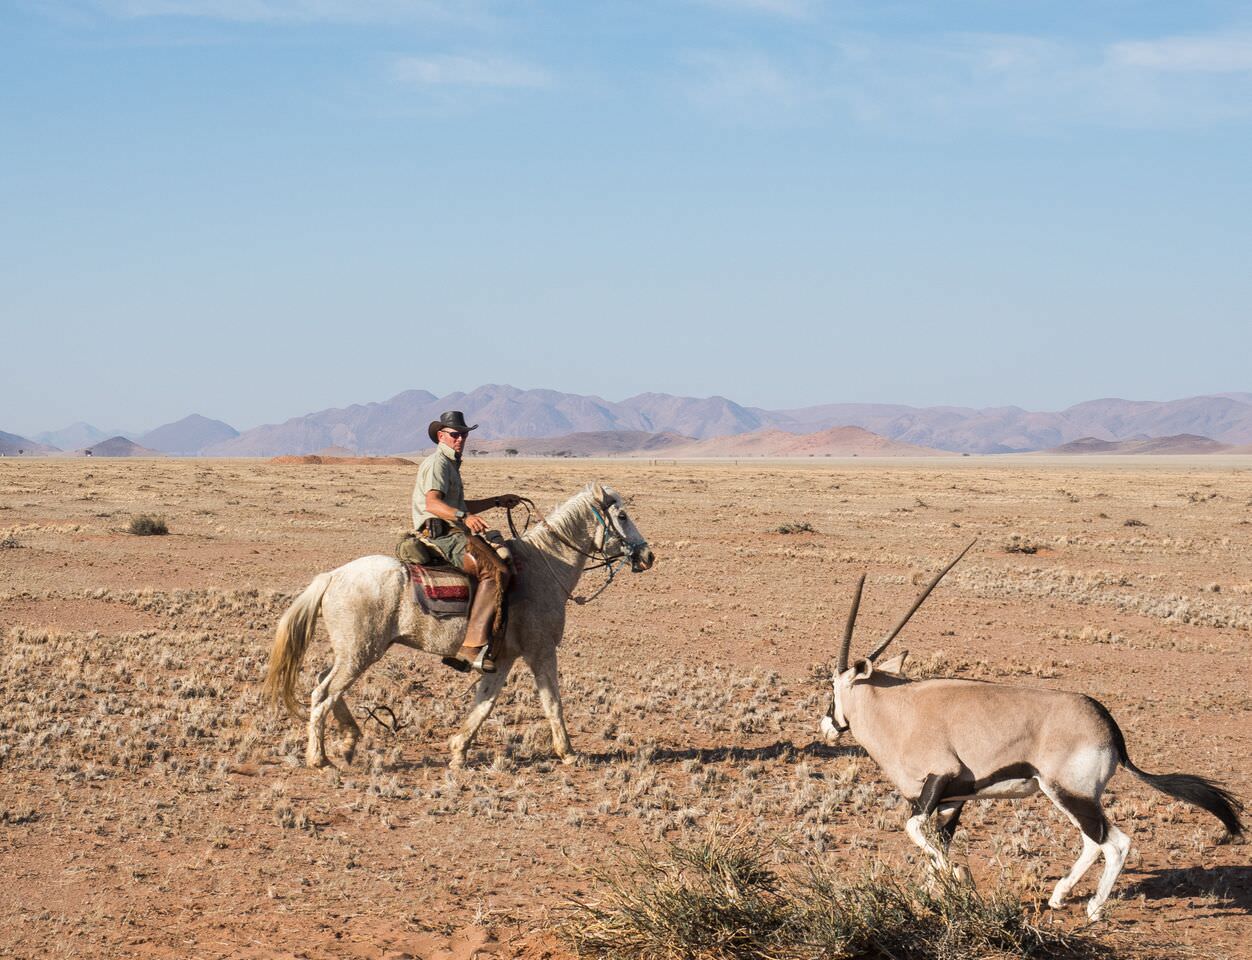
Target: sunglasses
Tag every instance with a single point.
(456, 434)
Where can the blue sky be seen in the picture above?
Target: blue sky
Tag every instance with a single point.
(252, 209)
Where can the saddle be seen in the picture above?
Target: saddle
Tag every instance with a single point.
(441, 591)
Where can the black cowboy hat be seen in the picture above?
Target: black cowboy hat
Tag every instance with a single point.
(449, 420)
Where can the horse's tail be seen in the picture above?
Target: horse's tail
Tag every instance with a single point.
(295, 630)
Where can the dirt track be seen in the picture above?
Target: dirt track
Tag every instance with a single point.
(150, 805)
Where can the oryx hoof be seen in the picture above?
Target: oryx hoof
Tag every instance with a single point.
(569, 759)
(961, 874)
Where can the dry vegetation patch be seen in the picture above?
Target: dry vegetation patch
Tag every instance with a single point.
(151, 803)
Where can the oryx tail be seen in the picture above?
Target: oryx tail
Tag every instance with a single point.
(1197, 791)
(291, 640)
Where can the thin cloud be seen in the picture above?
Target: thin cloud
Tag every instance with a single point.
(467, 71)
(1211, 54)
(968, 80)
(792, 9)
(284, 11)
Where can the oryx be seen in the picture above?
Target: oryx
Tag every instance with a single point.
(943, 742)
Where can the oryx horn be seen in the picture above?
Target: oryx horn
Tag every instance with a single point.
(847, 630)
(917, 603)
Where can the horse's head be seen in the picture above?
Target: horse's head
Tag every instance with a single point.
(618, 536)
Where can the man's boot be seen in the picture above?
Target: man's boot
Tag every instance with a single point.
(486, 611)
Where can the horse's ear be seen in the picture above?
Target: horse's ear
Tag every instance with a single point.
(597, 491)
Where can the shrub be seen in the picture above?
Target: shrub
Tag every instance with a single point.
(146, 526)
(10, 542)
(1132, 522)
(1019, 544)
(719, 900)
(796, 526)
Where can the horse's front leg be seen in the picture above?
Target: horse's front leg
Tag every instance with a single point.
(485, 694)
(543, 665)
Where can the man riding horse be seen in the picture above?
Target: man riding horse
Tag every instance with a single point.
(449, 524)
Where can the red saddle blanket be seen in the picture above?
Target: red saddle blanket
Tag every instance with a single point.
(440, 591)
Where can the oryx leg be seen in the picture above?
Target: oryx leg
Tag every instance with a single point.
(1115, 848)
(1090, 853)
(926, 804)
(946, 818)
(543, 665)
(1099, 837)
(485, 694)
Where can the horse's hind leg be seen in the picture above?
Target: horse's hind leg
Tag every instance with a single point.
(485, 694)
(315, 752)
(351, 729)
(543, 666)
(327, 697)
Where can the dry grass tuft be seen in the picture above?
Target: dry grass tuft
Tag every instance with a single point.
(148, 526)
(1019, 544)
(796, 526)
(718, 898)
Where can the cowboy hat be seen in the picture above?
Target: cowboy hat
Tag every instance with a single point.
(449, 420)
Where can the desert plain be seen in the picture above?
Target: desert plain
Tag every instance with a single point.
(153, 805)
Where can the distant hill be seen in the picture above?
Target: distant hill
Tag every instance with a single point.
(373, 428)
(1180, 444)
(118, 447)
(188, 436)
(691, 417)
(74, 437)
(11, 445)
(398, 424)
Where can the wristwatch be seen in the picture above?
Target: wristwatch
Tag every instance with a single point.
(461, 514)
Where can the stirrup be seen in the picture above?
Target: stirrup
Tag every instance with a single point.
(482, 663)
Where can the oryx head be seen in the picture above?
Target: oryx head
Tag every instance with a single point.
(617, 535)
(835, 722)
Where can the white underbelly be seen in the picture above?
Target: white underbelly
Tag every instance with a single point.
(1004, 790)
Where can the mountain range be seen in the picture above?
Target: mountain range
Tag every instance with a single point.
(398, 424)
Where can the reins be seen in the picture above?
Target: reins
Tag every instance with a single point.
(603, 559)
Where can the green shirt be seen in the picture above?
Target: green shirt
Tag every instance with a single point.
(440, 471)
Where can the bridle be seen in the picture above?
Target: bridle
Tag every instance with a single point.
(611, 564)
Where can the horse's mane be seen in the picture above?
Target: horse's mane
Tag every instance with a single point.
(564, 520)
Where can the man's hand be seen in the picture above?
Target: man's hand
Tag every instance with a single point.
(508, 500)
(474, 523)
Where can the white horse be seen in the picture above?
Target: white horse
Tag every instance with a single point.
(367, 606)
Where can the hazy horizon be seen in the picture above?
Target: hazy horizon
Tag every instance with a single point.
(135, 433)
